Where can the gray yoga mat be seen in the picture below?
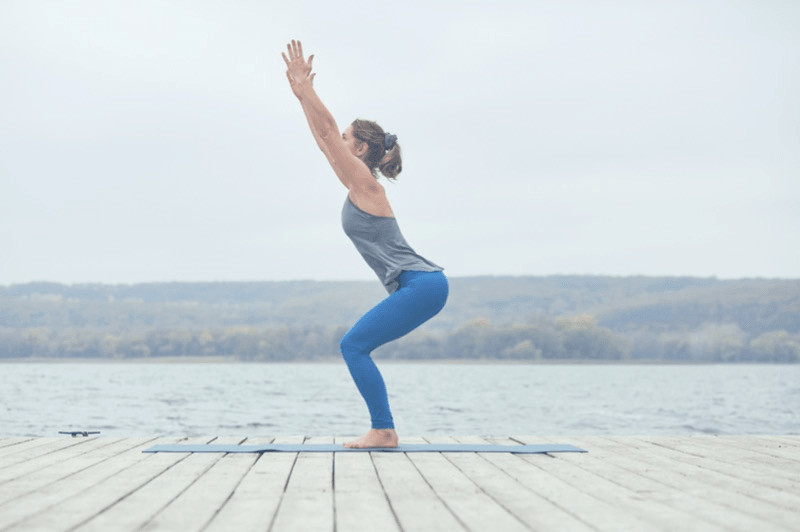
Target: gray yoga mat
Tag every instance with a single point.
(331, 448)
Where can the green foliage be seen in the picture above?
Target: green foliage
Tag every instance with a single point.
(512, 318)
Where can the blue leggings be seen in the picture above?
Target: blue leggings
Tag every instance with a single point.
(420, 297)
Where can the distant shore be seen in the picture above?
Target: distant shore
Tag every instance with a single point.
(337, 360)
(539, 320)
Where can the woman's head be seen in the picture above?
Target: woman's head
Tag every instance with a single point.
(382, 151)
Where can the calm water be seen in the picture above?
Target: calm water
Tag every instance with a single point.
(126, 399)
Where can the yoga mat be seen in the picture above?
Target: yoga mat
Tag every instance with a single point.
(331, 448)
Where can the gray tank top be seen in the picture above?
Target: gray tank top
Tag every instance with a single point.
(380, 242)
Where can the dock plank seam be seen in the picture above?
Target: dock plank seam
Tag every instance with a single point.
(552, 506)
(72, 495)
(385, 493)
(40, 463)
(789, 441)
(153, 517)
(308, 499)
(623, 498)
(482, 490)
(565, 510)
(697, 450)
(46, 445)
(77, 471)
(126, 495)
(568, 509)
(736, 442)
(494, 459)
(463, 495)
(743, 470)
(403, 483)
(690, 452)
(283, 494)
(710, 489)
(10, 442)
(635, 522)
(438, 496)
(731, 475)
(489, 495)
(253, 503)
(333, 489)
(625, 483)
(230, 495)
(669, 506)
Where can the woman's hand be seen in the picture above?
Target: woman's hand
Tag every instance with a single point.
(298, 70)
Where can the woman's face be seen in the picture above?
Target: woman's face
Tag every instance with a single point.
(353, 144)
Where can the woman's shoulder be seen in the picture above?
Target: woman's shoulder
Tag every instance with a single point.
(371, 200)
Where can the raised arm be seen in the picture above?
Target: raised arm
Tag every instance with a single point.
(352, 172)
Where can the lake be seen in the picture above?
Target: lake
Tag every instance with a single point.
(319, 399)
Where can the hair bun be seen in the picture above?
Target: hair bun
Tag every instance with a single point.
(389, 140)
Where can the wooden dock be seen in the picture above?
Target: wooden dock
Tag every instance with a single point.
(748, 483)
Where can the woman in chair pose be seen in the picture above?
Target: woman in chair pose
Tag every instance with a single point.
(417, 287)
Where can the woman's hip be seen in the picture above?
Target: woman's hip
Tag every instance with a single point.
(429, 289)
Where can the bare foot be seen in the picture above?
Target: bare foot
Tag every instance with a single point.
(375, 438)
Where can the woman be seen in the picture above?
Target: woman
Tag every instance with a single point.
(417, 287)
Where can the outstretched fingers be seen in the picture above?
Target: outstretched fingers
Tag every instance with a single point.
(296, 50)
(297, 67)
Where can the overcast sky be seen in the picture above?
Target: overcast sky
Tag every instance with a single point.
(159, 141)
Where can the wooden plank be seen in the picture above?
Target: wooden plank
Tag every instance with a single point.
(624, 483)
(528, 506)
(789, 441)
(720, 502)
(359, 499)
(628, 493)
(35, 481)
(145, 500)
(37, 449)
(9, 442)
(197, 505)
(59, 491)
(55, 459)
(793, 440)
(29, 443)
(466, 500)
(307, 503)
(761, 446)
(414, 502)
(255, 500)
(85, 502)
(538, 473)
(675, 508)
(733, 461)
(762, 485)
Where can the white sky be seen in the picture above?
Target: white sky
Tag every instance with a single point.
(159, 141)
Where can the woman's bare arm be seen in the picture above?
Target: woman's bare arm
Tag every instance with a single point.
(352, 172)
(317, 138)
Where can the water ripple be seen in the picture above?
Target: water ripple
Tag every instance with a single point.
(126, 399)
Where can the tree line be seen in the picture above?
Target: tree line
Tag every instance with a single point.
(510, 318)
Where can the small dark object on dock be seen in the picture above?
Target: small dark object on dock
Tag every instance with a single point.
(74, 433)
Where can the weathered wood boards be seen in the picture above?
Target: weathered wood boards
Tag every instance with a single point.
(622, 483)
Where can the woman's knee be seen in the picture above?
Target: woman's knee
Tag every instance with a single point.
(349, 346)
